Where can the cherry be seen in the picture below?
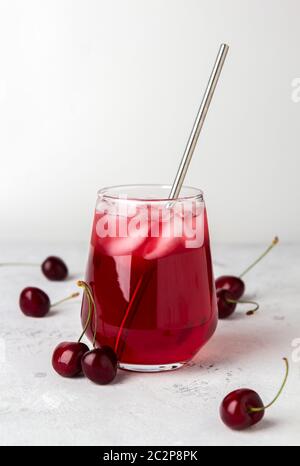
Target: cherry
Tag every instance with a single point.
(226, 304)
(66, 358)
(34, 302)
(243, 408)
(54, 268)
(235, 286)
(226, 307)
(236, 410)
(100, 365)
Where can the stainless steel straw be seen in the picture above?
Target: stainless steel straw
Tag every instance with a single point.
(200, 118)
(184, 164)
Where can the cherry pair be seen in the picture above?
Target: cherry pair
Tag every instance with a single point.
(230, 288)
(53, 268)
(70, 358)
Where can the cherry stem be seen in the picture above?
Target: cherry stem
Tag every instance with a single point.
(16, 264)
(73, 295)
(258, 410)
(274, 242)
(92, 310)
(251, 311)
(127, 311)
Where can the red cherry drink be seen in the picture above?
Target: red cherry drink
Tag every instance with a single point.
(152, 281)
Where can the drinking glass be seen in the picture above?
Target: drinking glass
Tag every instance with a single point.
(150, 273)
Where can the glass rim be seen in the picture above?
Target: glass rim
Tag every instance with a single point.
(106, 192)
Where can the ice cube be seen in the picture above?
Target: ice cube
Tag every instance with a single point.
(120, 246)
(155, 248)
(117, 236)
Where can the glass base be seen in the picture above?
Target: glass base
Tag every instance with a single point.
(151, 368)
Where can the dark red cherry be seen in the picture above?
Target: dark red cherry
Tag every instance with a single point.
(243, 408)
(227, 304)
(66, 358)
(54, 268)
(234, 285)
(100, 365)
(34, 302)
(236, 409)
(225, 307)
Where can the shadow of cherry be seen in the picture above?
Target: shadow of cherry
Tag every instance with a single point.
(265, 424)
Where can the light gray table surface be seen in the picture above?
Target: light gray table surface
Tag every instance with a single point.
(37, 407)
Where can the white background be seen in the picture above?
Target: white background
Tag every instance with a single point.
(94, 93)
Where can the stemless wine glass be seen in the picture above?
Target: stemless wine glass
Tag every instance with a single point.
(150, 272)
